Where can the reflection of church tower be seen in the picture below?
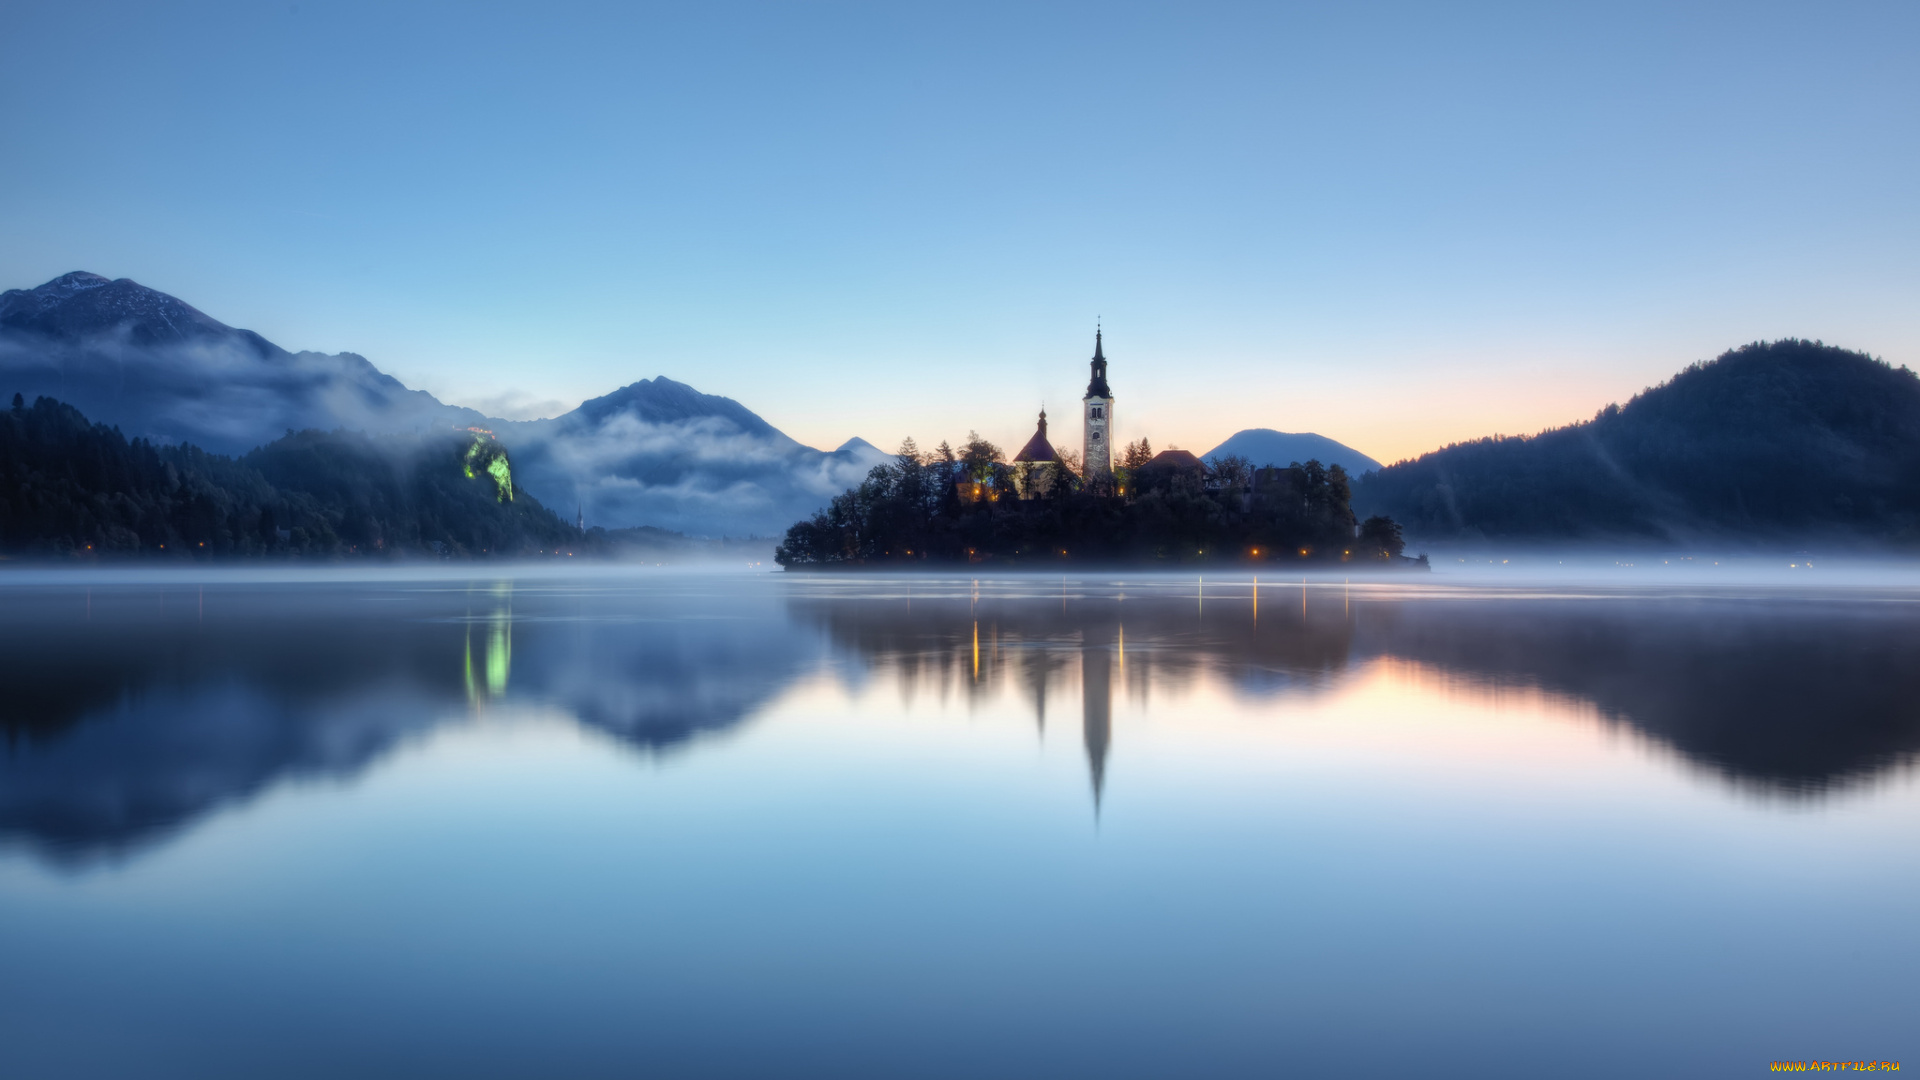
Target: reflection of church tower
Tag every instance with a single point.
(1096, 689)
(1098, 407)
(1037, 677)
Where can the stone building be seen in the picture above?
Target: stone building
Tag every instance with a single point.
(1097, 407)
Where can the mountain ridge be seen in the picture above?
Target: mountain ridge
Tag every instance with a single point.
(1265, 446)
(653, 452)
(1785, 440)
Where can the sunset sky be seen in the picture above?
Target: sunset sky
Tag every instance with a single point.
(1397, 226)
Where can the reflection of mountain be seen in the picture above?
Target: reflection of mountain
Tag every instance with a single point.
(1793, 695)
(139, 717)
(147, 710)
(653, 671)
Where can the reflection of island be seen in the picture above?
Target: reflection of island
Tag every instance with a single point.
(1791, 695)
(1150, 639)
(145, 711)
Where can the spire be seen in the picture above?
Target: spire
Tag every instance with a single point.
(1097, 386)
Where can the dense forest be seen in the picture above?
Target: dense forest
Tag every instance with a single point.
(972, 506)
(72, 488)
(1789, 440)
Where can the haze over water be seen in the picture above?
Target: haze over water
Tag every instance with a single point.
(676, 823)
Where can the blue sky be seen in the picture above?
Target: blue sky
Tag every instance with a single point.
(1396, 225)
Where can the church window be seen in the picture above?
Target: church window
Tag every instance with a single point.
(1098, 412)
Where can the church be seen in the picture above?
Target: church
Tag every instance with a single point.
(1034, 464)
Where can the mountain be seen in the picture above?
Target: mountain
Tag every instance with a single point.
(1789, 440)
(860, 449)
(656, 452)
(1265, 446)
(159, 369)
(659, 452)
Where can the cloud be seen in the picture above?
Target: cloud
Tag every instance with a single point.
(702, 475)
(516, 405)
(224, 396)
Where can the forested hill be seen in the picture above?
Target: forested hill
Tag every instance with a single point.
(73, 488)
(1789, 440)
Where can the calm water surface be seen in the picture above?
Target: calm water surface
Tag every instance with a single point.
(709, 824)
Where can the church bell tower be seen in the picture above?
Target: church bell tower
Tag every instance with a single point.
(1097, 408)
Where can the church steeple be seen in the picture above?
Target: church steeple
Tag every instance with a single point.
(1097, 386)
(1097, 413)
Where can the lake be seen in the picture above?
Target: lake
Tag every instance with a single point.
(656, 822)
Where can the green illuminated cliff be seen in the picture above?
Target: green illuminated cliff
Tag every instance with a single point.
(486, 456)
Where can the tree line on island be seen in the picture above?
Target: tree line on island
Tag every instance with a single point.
(972, 505)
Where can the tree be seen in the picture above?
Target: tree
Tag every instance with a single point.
(1126, 474)
(980, 456)
(1380, 537)
(1231, 471)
